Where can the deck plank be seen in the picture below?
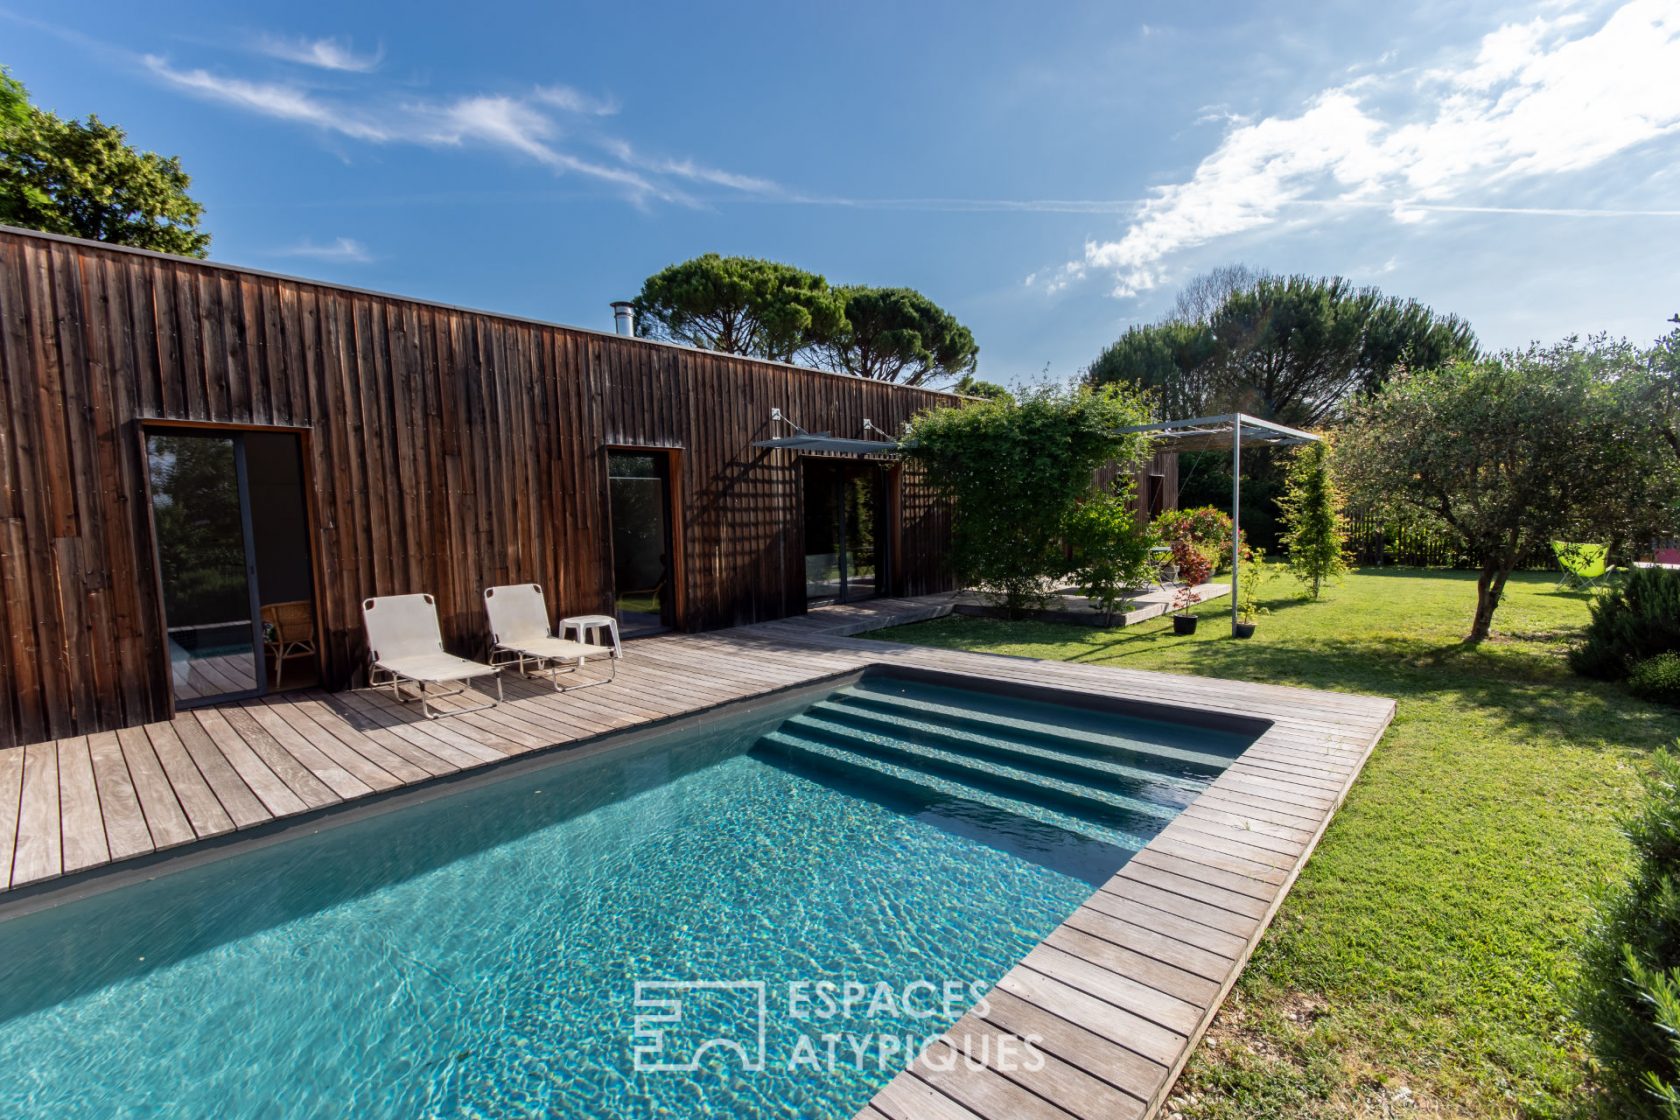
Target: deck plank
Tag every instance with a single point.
(11, 795)
(277, 797)
(82, 828)
(1063, 1084)
(235, 797)
(981, 1089)
(125, 824)
(165, 819)
(39, 853)
(204, 811)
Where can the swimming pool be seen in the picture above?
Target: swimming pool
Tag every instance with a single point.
(520, 945)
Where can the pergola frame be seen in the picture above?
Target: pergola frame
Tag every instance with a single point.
(1215, 433)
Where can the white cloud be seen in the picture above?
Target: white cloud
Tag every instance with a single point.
(270, 99)
(574, 101)
(326, 54)
(342, 249)
(524, 124)
(1539, 98)
(689, 170)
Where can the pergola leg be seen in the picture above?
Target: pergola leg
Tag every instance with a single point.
(1236, 517)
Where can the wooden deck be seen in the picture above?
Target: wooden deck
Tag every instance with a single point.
(1114, 999)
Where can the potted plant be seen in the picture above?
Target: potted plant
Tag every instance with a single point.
(1194, 569)
(1255, 575)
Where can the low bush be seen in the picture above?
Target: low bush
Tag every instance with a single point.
(1629, 999)
(1633, 622)
(1110, 546)
(1657, 678)
(1207, 528)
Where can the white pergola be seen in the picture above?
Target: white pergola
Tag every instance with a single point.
(1215, 433)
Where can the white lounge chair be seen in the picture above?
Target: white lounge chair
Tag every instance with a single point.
(520, 636)
(405, 645)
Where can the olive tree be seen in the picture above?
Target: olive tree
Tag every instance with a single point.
(1506, 453)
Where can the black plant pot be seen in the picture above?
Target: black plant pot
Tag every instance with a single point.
(1184, 624)
(1243, 629)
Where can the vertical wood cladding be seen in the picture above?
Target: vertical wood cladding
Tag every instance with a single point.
(446, 451)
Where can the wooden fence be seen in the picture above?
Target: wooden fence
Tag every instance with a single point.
(1374, 541)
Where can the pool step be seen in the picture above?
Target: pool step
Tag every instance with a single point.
(954, 798)
(901, 745)
(1074, 741)
(1114, 776)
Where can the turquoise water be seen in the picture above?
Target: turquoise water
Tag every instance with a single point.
(478, 955)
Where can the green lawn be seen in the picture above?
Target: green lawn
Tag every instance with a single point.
(1421, 964)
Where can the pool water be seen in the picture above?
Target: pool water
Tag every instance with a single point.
(478, 954)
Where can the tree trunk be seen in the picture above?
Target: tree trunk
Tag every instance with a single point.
(1489, 587)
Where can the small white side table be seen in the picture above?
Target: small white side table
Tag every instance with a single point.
(589, 626)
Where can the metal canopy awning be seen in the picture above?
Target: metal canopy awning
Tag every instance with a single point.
(835, 445)
(1216, 433)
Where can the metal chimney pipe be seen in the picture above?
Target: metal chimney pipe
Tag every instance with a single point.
(624, 317)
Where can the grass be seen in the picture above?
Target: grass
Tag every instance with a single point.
(1422, 964)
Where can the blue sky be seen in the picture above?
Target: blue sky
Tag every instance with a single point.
(1050, 175)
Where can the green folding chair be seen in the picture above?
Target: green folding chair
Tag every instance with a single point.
(1584, 565)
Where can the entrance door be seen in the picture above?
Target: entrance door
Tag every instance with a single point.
(229, 521)
(639, 492)
(845, 530)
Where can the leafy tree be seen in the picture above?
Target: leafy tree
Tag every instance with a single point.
(1204, 294)
(1015, 472)
(1508, 453)
(741, 305)
(1654, 390)
(897, 334)
(1314, 532)
(1175, 360)
(1295, 348)
(82, 178)
(1287, 348)
(971, 386)
(14, 104)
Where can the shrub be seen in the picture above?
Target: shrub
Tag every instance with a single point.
(1314, 535)
(1194, 569)
(1015, 472)
(1657, 678)
(1110, 549)
(1256, 574)
(1633, 622)
(1630, 975)
(1206, 527)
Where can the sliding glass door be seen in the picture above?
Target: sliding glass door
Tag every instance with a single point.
(845, 529)
(206, 560)
(639, 493)
(231, 522)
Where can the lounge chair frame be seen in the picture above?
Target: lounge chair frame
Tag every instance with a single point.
(521, 638)
(401, 661)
